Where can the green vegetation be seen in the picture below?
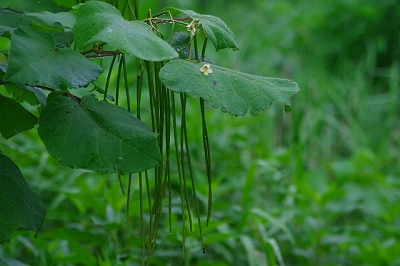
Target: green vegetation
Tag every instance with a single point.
(318, 186)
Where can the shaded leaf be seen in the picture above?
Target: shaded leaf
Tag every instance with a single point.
(36, 59)
(62, 36)
(20, 93)
(100, 22)
(234, 92)
(215, 28)
(67, 19)
(32, 95)
(180, 41)
(9, 20)
(65, 3)
(20, 207)
(14, 117)
(97, 135)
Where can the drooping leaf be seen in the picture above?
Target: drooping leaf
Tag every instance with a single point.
(14, 117)
(180, 42)
(20, 207)
(36, 59)
(9, 20)
(32, 95)
(100, 22)
(232, 91)
(97, 135)
(216, 29)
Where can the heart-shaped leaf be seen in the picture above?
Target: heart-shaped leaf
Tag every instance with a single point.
(232, 91)
(37, 59)
(20, 207)
(216, 29)
(97, 135)
(14, 117)
(100, 22)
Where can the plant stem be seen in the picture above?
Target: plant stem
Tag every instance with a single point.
(109, 77)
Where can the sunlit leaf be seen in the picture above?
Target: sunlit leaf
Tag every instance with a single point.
(232, 91)
(14, 117)
(97, 135)
(20, 207)
(36, 59)
(219, 33)
(100, 22)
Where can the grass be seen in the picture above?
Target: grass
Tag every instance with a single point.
(318, 186)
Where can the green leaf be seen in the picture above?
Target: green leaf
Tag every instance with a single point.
(20, 207)
(32, 95)
(14, 117)
(100, 22)
(180, 42)
(67, 19)
(97, 135)
(9, 20)
(65, 3)
(215, 28)
(36, 59)
(234, 92)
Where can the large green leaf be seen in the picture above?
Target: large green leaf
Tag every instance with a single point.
(97, 135)
(14, 117)
(100, 22)
(20, 207)
(219, 33)
(46, 64)
(232, 91)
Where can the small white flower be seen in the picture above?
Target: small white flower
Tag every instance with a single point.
(206, 69)
(192, 27)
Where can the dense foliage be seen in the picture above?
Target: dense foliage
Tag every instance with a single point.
(317, 187)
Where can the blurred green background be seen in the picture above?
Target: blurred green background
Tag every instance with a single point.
(318, 186)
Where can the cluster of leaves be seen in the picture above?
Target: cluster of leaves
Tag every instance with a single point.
(53, 52)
